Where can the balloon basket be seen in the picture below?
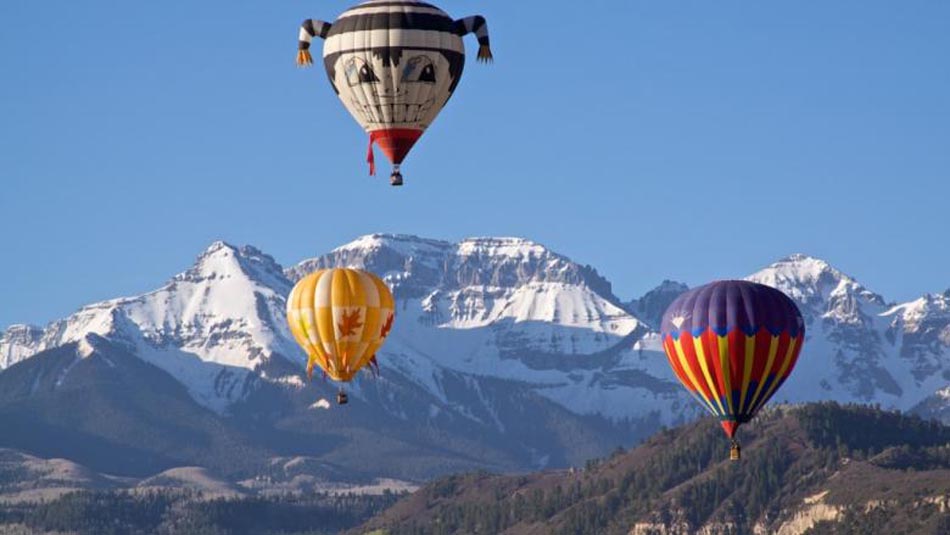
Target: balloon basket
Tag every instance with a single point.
(342, 398)
(735, 452)
(395, 179)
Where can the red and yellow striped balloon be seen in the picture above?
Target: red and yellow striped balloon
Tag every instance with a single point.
(340, 317)
(732, 344)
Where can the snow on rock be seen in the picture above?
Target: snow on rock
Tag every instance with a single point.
(17, 343)
(818, 287)
(504, 308)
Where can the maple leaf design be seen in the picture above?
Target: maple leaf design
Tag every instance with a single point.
(387, 326)
(349, 323)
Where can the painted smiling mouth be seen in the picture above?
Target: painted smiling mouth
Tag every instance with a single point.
(394, 113)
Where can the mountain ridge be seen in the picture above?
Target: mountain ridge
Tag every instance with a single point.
(490, 332)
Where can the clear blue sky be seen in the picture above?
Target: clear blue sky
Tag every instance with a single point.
(691, 139)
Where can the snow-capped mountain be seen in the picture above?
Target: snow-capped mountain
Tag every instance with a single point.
(511, 309)
(858, 347)
(209, 327)
(497, 341)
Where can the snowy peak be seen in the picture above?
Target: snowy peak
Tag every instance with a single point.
(407, 263)
(225, 308)
(404, 244)
(478, 281)
(503, 298)
(513, 262)
(858, 347)
(209, 327)
(223, 260)
(820, 289)
(808, 279)
(415, 266)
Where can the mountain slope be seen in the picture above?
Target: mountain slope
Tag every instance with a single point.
(809, 467)
(96, 403)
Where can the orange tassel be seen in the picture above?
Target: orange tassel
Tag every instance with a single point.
(484, 54)
(304, 59)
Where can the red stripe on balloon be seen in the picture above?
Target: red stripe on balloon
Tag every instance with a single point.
(689, 350)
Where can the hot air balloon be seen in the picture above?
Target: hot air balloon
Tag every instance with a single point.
(732, 344)
(394, 64)
(341, 318)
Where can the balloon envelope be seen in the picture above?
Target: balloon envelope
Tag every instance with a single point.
(340, 317)
(732, 344)
(394, 66)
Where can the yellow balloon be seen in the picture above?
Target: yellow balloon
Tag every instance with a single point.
(340, 317)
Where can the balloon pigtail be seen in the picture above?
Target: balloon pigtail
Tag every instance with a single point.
(374, 366)
(371, 158)
(310, 370)
(308, 30)
(479, 26)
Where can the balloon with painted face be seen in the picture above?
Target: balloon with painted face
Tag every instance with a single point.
(394, 64)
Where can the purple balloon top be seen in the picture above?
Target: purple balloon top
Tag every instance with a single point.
(727, 305)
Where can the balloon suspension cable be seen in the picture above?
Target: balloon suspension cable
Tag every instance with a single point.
(735, 452)
(395, 179)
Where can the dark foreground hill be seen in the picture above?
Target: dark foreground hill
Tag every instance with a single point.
(821, 468)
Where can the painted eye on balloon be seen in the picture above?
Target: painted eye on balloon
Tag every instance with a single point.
(419, 69)
(359, 72)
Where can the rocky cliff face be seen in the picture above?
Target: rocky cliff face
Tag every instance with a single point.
(653, 304)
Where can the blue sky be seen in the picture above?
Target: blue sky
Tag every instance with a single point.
(691, 140)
